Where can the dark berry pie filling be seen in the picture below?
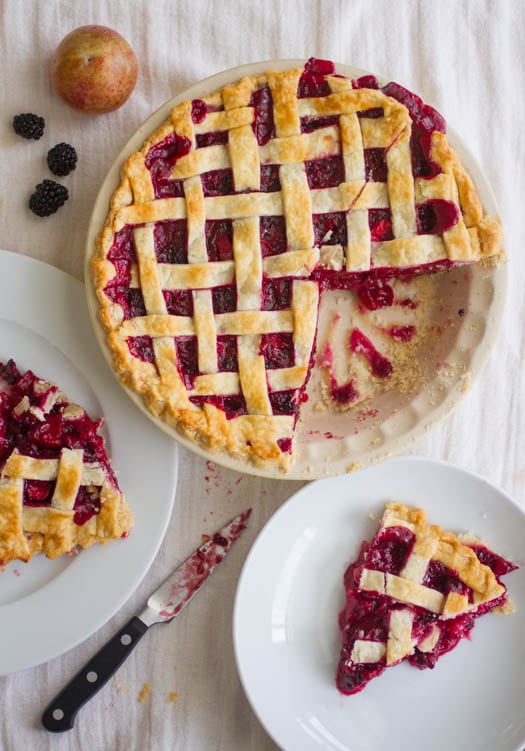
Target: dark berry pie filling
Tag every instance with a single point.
(58, 491)
(242, 204)
(373, 290)
(35, 422)
(398, 609)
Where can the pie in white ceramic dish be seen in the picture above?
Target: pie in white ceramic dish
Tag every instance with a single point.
(243, 210)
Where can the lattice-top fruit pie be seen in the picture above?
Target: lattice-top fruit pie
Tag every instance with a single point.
(412, 594)
(239, 210)
(57, 487)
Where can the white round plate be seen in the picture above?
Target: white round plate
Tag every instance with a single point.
(330, 444)
(49, 606)
(291, 591)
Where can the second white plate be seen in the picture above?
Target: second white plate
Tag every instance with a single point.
(291, 591)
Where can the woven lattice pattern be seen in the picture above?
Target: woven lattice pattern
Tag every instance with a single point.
(57, 487)
(413, 593)
(208, 268)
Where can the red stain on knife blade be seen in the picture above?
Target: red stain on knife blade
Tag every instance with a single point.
(196, 569)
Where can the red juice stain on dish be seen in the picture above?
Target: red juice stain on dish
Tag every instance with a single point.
(407, 303)
(200, 564)
(326, 434)
(361, 345)
(402, 333)
(285, 444)
(365, 414)
(342, 393)
(331, 437)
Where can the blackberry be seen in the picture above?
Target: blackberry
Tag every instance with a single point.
(47, 198)
(62, 159)
(29, 126)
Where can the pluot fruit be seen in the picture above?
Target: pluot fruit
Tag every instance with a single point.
(94, 69)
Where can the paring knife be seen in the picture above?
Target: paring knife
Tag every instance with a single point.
(163, 605)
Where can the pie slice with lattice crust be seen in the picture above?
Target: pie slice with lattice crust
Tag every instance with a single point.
(234, 216)
(57, 487)
(412, 594)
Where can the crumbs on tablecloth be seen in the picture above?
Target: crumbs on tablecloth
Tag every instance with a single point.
(214, 478)
(119, 688)
(144, 692)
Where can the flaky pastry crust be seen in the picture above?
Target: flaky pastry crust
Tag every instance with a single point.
(259, 435)
(54, 525)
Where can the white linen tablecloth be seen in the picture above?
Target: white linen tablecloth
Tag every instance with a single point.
(463, 56)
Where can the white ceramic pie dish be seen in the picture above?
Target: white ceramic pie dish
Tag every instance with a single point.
(335, 443)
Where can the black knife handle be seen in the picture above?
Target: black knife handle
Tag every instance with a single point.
(60, 714)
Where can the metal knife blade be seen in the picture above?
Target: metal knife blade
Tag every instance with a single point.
(163, 605)
(185, 582)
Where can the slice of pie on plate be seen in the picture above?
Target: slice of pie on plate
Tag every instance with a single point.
(413, 593)
(58, 489)
(239, 211)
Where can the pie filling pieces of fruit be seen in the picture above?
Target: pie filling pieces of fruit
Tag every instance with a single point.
(57, 487)
(236, 214)
(412, 594)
